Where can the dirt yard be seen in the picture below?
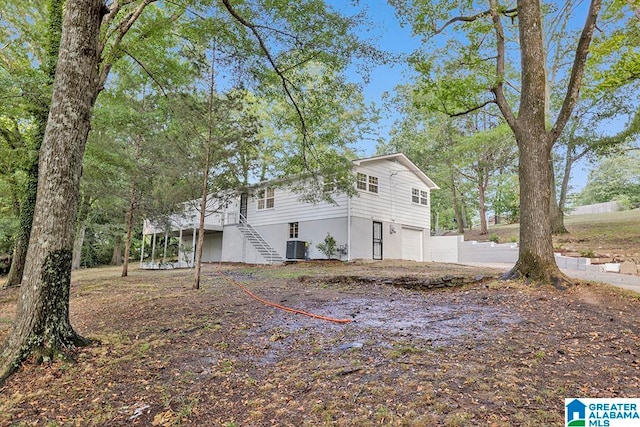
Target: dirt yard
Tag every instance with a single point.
(426, 345)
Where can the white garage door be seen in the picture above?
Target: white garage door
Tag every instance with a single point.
(412, 244)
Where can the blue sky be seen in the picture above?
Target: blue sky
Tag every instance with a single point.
(387, 34)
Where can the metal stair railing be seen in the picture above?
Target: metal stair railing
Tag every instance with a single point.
(257, 240)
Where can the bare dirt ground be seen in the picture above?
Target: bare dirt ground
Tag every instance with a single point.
(417, 352)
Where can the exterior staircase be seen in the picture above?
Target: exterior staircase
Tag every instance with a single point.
(259, 243)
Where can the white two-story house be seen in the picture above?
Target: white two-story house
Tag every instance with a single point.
(388, 218)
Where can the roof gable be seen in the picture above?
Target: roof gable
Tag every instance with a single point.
(403, 160)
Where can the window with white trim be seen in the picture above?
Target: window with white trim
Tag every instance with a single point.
(420, 197)
(373, 184)
(266, 198)
(424, 198)
(415, 195)
(293, 230)
(367, 183)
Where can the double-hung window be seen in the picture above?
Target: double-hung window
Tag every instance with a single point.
(367, 182)
(424, 198)
(373, 184)
(419, 197)
(293, 230)
(361, 181)
(415, 195)
(266, 198)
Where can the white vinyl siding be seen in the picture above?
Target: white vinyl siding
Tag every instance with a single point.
(288, 208)
(393, 203)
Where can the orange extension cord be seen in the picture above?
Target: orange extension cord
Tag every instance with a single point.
(280, 306)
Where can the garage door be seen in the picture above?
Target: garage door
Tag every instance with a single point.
(412, 244)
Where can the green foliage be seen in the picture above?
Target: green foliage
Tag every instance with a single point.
(494, 238)
(328, 246)
(616, 177)
(504, 197)
(587, 253)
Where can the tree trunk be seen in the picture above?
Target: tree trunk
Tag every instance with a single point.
(555, 212)
(206, 172)
(83, 215)
(456, 206)
(116, 258)
(26, 219)
(41, 113)
(130, 217)
(14, 278)
(77, 247)
(463, 212)
(536, 261)
(200, 244)
(484, 229)
(42, 324)
(564, 187)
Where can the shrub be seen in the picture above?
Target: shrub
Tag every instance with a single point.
(328, 246)
(494, 238)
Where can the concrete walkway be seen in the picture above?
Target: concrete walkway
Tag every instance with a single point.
(625, 281)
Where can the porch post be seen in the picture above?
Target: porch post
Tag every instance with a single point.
(153, 250)
(164, 254)
(142, 250)
(180, 246)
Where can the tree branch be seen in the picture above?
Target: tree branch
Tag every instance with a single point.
(122, 29)
(498, 89)
(285, 82)
(472, 109)
(609, 141)
(146, 70)
(507, 12)
(635, 9)
(577, 72)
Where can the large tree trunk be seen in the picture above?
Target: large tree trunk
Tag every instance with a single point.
(41, 113)
(536, 261)
(42, 317)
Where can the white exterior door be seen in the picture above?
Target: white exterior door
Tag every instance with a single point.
(412, 244)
